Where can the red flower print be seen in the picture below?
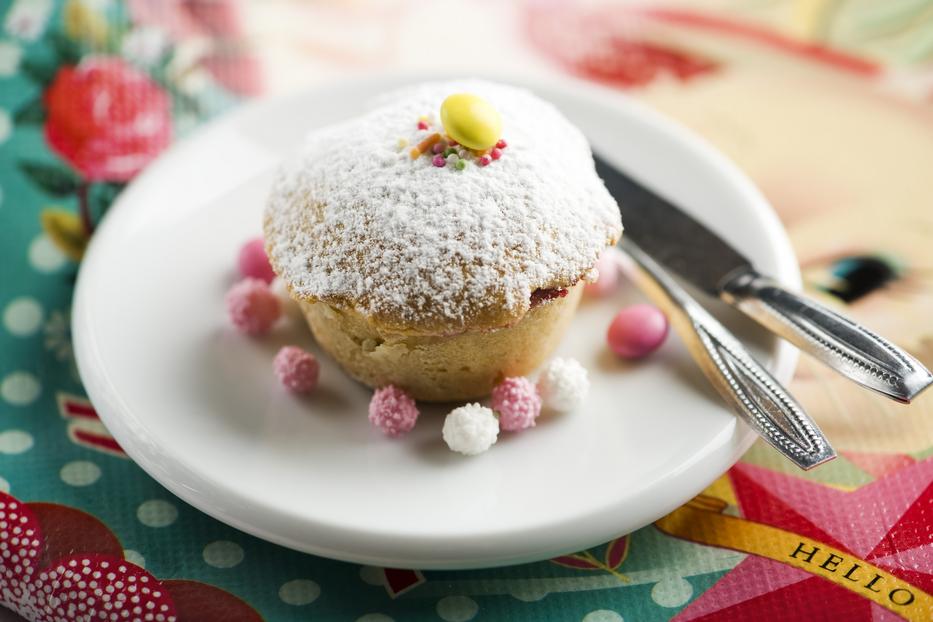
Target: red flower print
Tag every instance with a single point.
(106, 118)
(59, 564)
(227, 57)
(605, 44)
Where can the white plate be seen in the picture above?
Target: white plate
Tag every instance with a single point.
(196, 404)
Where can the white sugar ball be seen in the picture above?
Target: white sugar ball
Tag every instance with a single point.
(471, 429)
(563, 384)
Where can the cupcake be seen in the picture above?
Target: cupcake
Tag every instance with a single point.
(428, 251)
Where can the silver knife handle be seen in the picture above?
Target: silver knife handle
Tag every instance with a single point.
(747, 387)
(842, 344)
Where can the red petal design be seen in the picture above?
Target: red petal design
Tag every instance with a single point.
(616, 552)
(400, 580)
(199, 602)
(575, 561)
(92, 586)
(68, 531)
(20, 550)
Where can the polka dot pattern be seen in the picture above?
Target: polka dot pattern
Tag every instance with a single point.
(80, 473)
(6, 125)
(44, 256)
(20, 549)
(457, 608)
(22, 316)
(371, 575)
(134, 557)
(299, 592)
(374, 617)
(156, 513)
(14, 442)
(98, 587)
(10, 55)
(223, 554)
(672, 592)
(602, 615)
(20, 388)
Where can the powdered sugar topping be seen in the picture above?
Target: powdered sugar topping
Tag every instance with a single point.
(355, 222)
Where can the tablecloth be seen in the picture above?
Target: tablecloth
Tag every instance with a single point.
(826, 105)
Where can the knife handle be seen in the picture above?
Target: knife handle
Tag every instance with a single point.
(747, 387)
(853, 350)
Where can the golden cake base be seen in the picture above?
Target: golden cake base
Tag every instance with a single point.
(441, 368)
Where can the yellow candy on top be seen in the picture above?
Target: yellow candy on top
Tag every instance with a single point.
(471, 121)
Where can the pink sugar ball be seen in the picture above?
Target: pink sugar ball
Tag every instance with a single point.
(637, 331)
(608, 267)
(517, 402)
(296, 369)
(393, 411)
(253, 261)
(253, 307)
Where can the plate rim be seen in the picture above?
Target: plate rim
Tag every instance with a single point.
(95, 381)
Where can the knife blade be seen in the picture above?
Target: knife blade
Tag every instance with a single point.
(688, 248)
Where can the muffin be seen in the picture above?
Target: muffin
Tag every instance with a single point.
(440, 273)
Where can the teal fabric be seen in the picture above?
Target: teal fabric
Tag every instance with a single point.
(40, 462)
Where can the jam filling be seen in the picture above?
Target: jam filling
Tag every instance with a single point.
(540, 296)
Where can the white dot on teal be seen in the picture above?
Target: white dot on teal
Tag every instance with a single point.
(134, 557)
(223, 554)
(602, 615)
(80, 473)
(457, 608)
(372, 575)
(528, 593)
(10, 55)
(15, 442)
(672, 592)
(4, 485)
(22, 316)
(299, 592)
(156, 513)
(20, 388)
(374, 617)
(6, 126)
(44, 256)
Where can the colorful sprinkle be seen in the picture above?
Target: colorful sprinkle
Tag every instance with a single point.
(296, 369)
(517, 402)
(439, 147)
(252, 307)
(452, 159)
(402, 143)
(496, 153)
(501, 144)
(393, 411)
(422, 125)
(470, 429)
(439, 161)
(484, 160)
(471, 120)
(253, 261)
(425, 145)
(563, 384)
(637, 331)
(460, 165)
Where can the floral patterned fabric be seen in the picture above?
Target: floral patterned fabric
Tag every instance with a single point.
(91, 91)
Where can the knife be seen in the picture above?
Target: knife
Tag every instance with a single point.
(685, 246)
(743, 383)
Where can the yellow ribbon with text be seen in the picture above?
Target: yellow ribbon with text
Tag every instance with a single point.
(701, 521)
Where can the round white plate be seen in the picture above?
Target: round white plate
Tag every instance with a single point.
(197, 406)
